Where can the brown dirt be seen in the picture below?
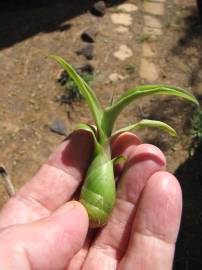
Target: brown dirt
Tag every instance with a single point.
(29, 87)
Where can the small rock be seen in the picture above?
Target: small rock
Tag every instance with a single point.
(151, 21)
(122, 29)
(123, 53)
(58, 126)
(89, 35)
(147, 50)
(154, 8)
(153, 31)
(148, 70)
(123, 19)
(99, 8)
(114, 77)
(86, 68)
(128, 7)
(86, 51)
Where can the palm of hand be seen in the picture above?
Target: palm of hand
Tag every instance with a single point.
(39, 230)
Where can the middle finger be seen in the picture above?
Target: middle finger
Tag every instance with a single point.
(143, 161)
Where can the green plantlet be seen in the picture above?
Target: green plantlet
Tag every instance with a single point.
(178, 18)
(168, 24)
(144, 38)
(71, 90)
(130, 68)
(98, 192)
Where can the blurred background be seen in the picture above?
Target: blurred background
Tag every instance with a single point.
(114, 45)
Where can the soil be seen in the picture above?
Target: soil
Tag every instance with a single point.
(29, 90)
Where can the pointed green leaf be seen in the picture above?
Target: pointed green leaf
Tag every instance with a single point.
(84, 89)
(112, 112)
(148, 123)
(119, 159)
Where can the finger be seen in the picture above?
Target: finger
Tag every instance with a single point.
(144, 160)
(156, 225)
(46, 244)
(123, 145)
(53, 184)
(77, 261)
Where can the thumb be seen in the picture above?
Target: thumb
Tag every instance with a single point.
(49, 243)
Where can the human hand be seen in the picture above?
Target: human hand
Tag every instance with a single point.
(40, 229)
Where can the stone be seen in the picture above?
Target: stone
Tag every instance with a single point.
(99, 8)
(151, 21)
(153, 31)
(147, 50)
(86, 68)
(128, 7)
(161, 1)
(148, 70)
(58, 126)
(89, 35)
(123, 19)
(114, 77)
(86, 51)
(123, 53)
(154, 8)
(122, 29)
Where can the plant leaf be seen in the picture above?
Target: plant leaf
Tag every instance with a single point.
(119, 159)
(98, 148)
(112, 112)
(84, 89)
(148, 123)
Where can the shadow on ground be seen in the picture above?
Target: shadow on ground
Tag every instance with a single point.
(192, 37)
(189, 246)
(22, 19)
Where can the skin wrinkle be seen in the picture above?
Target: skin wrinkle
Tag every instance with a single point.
(165, 206)
(77, 261)
(33, 204)
(57, 235)
(143, 260)
(32, 201)
(27, 257)
(103, 262)
(67, 178)
(17, 249)
(10, 220)
(67, 171)
(157, 236)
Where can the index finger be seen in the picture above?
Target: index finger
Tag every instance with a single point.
(54, 183)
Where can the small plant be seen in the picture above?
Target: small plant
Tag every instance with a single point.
(178, 18)
(168, 24)
(119, 10)
(72, 93)
(131, 68)
(98, 192)
(144, 38)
